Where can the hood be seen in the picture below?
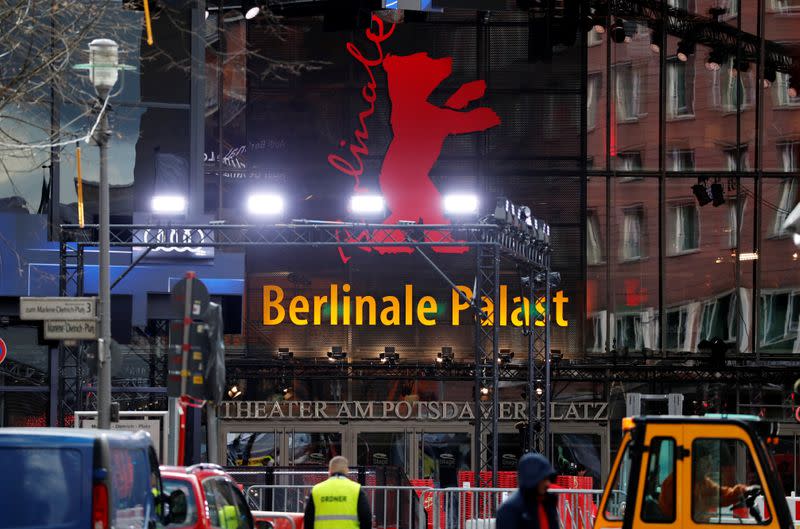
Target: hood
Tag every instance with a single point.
(533, 468)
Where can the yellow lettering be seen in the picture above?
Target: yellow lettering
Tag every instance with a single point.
(458, 304)
(409, 309)
(298, 305)
(540, 312)
(360, 302)
(334, 305)
(426, 306)
(503, 305)
(319, 302)
(517, 312)
(559, 301)
(488, 310)
(270, 303)
(346, 305)
(393, 308)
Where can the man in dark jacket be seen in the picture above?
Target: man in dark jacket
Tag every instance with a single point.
(531, 506)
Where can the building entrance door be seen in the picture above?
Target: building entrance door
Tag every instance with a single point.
(261, 445)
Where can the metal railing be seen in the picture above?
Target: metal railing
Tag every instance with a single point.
(404, 507)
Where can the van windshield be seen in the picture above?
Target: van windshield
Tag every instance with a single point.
(171, 485)
(48, 488)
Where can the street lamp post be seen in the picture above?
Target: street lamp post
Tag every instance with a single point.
(103, 68)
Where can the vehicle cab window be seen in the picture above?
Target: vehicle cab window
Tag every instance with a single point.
(660, 483)
(726, 488)
(616, 500)
(226, 506)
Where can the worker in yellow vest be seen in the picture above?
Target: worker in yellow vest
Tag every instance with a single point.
(337, 502)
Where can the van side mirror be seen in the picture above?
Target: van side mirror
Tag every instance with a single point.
(177, 507)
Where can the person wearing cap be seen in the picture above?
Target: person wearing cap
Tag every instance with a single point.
(337, 502)
(531, 506)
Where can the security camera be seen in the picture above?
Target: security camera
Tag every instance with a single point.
(792, 224)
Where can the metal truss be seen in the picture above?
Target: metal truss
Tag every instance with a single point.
(490, 240)
(71, 365)
(700, 30)
(256, 367)
(22, 374)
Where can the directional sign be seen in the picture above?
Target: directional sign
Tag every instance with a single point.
(70, 330)
(3, 350)
(57, 308)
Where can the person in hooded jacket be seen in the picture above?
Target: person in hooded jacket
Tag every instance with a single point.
(531, 506)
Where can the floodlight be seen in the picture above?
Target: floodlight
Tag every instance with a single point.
(461, 204)
(251, 9)
(685, 48)
(367, 204)
(168, 204)
(265, 204)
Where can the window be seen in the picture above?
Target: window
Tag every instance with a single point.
(780, 91)
(659, 482)
(598, 323)
(724, 477)
(789, 153)
(779, 317)
(594, 246)
(787, 200)
(592, 98)
(629, 161)
(686, 5)
(680, 160)
(629, 332)
(784, 6)
(170, 486)
(685, 228)
(735, 214)
(226, 507)
(719, 319)
(626, 90)
(680, 88)
(632, 234)
(614, 509)
(677, 327)
(737, 159)
(733, 87)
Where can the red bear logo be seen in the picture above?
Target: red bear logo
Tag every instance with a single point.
(420, 129)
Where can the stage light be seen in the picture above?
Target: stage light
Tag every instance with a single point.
(599, 14)
(265, 205)
(445, 356)
(484, 390)
(701, 193)
(770, 74)
(502, 211)
(505, 357)
(655, 40)
(685, 49)
(336, 354)
(717, 194)
(284, 353)
(234, 392)
(794, 81)
(460, 204)
(714, 60)
(389, 355)
(740, 65)
(251, 9)
(168, 204)
(367, 204)
(618, 31)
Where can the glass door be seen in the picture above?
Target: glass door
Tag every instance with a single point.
(442, 455)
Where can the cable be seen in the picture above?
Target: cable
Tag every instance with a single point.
(61, 143)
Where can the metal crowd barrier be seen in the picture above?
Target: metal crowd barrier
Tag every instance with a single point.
(395, 507)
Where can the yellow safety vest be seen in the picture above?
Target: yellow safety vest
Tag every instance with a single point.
(336, 504)
(228, 517)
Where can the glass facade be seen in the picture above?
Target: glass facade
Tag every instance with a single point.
(692, 173)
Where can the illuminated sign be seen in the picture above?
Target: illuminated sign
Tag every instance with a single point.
(403, 410)
(419, 128)
(168, 235)
(342, 307)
